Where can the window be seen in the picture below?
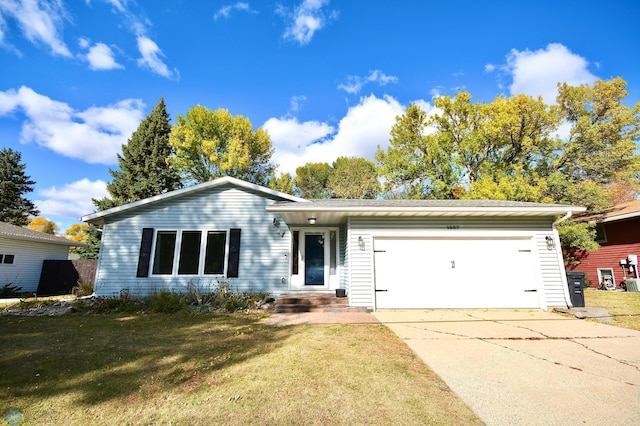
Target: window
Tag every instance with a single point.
(214, 256)
(294, 252)
(601, 235)
(165, 251)
(7, 259)
(190, 252)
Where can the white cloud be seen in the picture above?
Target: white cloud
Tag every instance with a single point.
(292, 135)
(364, 127)
(225, 11)
(94, 135)
(41, 22)
(71, 200)
(100, 57)
(150, 53)
(489, 68)
(151, 57)
(355, 83)
(305, 20)
(537, 73)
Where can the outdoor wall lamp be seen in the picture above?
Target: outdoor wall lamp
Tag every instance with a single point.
(550, 243)
(361, 242)
(312, 220)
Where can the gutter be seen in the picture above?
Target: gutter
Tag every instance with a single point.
(563, 276)
(562, 219)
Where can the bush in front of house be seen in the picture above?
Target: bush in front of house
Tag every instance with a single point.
(10, 290)
(168, 302)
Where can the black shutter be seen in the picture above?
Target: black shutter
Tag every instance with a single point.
(145, 252)
(234, 253)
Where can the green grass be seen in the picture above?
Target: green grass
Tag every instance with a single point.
(624, 307)
(79, 369)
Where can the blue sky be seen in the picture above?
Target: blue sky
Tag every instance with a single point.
(325, 78)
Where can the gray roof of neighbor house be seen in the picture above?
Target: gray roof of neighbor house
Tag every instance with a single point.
(335, 210)
(19, 233)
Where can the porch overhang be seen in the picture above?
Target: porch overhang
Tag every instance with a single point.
(336, 211)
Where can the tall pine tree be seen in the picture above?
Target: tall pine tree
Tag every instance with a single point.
(14, 183)
(144, 171)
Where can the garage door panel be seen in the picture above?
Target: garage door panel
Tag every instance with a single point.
(463, 273)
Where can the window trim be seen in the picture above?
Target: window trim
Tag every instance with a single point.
(3, 259)
(176, 252)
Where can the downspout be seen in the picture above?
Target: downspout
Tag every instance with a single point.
(563, 275)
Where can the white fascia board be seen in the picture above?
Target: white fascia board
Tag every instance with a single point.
(194, 188)
(470, 211)
(620, 217)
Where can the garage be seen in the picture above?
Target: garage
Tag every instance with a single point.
(420, 273)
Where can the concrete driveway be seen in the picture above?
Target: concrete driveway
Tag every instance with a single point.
(528, 366)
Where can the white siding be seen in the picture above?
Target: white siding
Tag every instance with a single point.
(263, 252)
(360, 263)
(27, 266)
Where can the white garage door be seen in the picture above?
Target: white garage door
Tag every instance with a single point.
(454, 273)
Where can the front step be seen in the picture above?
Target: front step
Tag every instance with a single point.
(314, 302)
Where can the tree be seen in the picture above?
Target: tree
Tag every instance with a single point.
(416, 164)
(312, 180)
(42, 224)
(601, 144)
(92, 238)
(282, 183)
(354, 177)
(144, 169)
(14, 183)
(78, 232)
(211, 144)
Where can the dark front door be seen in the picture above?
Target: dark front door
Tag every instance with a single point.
(314, 259)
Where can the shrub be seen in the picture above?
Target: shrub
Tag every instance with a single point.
(10, 290)
(168, 302)
(85, 289)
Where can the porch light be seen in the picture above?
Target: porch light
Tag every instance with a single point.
(550, 243)
(312, 220)
(361, 242)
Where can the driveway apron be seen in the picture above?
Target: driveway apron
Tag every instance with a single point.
(528, 366)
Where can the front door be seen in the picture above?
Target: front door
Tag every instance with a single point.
(314, 263)
(314, 259)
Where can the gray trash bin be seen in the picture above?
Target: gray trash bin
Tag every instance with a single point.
(575, 280)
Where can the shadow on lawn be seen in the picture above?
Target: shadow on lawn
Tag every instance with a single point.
(97, 358)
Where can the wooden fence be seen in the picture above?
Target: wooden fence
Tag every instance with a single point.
(60, 276)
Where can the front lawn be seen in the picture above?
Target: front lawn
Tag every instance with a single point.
(213, 369)
(623, 306)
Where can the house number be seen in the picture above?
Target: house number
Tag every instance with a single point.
(453, 226)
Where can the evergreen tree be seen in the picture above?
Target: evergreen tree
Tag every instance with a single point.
(144, 171)
(93, 240)
(14, 183)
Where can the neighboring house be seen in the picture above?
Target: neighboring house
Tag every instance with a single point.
(22, 252)
(385, 254)
(618, 233)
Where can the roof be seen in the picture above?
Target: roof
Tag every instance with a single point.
(329, 211)
(19, 233)
(98, 217)
(618, 212)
